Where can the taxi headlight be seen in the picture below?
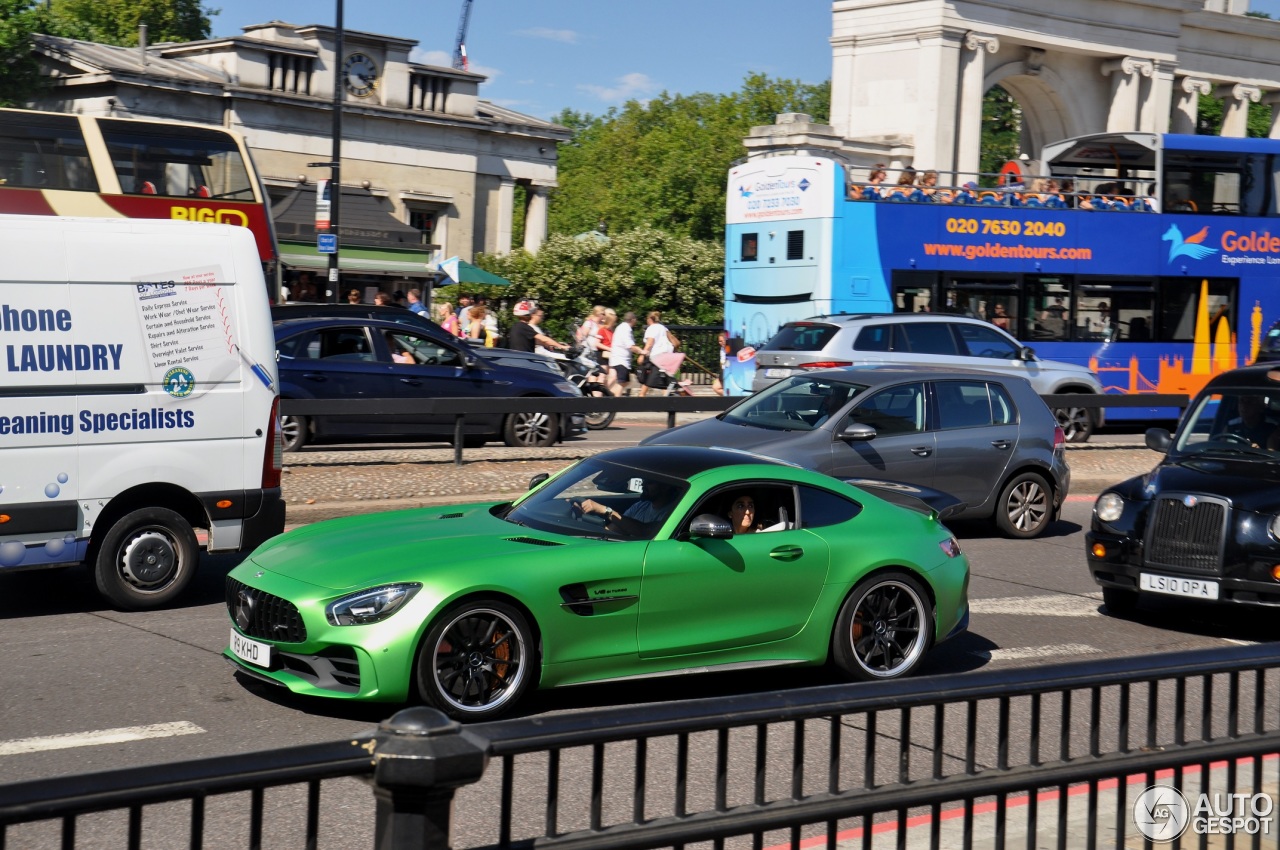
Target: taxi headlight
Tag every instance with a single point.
(370, 606)
(1275, 526)
(1109, 507)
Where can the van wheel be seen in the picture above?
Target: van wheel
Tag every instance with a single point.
(531, 430)
(1076, 423)
(1025, 507)
(293, 431)
(146, 559)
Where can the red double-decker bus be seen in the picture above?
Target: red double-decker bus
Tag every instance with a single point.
(81, 165)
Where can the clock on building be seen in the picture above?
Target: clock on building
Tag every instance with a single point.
(360, 74)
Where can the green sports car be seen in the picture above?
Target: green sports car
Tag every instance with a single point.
(633, 563)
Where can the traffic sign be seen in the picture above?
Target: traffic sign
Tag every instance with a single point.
(327, 243)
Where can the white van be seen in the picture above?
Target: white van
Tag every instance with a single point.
(138, 400)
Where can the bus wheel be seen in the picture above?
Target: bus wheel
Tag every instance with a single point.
(146, 559)
(1076, 423)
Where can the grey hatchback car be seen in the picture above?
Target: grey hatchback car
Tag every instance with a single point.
(988, 440)
(912, 340)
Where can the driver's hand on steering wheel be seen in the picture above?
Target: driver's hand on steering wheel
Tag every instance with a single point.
(591, 506)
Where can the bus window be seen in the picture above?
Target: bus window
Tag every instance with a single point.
(1180, 306)
(913, 291)
(1048, 315)
(750, 247)
(1116, 311)
(45, 152)
(1203, 181)
(176, 162)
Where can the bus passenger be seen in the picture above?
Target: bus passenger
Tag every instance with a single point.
(870, 191)
(929, 191)
(966, 195)
(905, 187)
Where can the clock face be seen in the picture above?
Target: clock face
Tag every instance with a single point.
(360, 75)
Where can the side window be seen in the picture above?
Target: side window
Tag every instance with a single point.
(412, 349)
(820, 508)
(774, 505)
(1002, 410)
(342, 344)
(962, 404)
(897, 410)
(928, 338)
(299, 347)
(986, 342)
(874, 338)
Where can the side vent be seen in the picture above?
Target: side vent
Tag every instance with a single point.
(449, 516)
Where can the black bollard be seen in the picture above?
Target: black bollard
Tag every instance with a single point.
(421, 758)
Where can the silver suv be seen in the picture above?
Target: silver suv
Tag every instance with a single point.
(919, 339)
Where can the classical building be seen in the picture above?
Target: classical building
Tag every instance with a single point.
(428, 169)
(909, 76)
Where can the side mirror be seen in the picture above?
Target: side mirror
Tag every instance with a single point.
(710, 525)
(470, 361)
(857, 431)
(1158, 439)
(538, 479)
(1027, 353)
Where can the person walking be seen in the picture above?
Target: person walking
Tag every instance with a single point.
(526, 334)
(657, 344)
(620, 352)
(415, 302)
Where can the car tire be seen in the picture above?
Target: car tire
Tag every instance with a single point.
(477, 660)
(884, 628)
(1077, 423)
(1119, 602)
(600, 419)
(146, 559)
(1025, 507)
(531, 430)
(293, 432)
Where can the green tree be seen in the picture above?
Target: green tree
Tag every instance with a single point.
(116, 21)
(640, 270)
(1001, 131)
(19, 69)
(663, 163)
(1209, 118)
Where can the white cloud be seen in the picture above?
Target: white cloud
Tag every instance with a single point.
(564, 36)
(442, 59)
(629, 86)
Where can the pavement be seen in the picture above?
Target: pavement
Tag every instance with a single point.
(322, 483)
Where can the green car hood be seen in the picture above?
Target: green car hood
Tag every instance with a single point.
(411, 545)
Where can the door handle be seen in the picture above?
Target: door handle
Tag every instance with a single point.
(413, 382)
(1001, 444)
(786, 553)
(922, 451)
(315, 376)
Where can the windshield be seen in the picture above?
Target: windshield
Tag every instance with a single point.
(798, 403)
(601, 500)
(1244, 421)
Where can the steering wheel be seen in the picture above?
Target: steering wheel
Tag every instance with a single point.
(576, 511)
(1230, 437)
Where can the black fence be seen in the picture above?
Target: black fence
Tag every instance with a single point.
(701, 346)
(1043, 756)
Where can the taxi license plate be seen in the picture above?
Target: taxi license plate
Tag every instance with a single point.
(250, 650)
(1195, 588)
(777, 373)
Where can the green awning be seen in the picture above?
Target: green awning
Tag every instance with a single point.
(383, 261)
(460, 271)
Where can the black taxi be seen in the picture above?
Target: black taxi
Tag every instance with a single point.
(1204, 524)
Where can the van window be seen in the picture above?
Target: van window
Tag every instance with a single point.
(929, 338)
(801, 336)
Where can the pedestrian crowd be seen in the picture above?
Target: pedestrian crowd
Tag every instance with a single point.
(1041, 192)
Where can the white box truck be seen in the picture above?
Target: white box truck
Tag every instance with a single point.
(138, 400)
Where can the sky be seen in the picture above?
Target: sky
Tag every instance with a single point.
(542, 56)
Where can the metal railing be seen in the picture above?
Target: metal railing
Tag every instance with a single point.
(1052, 754)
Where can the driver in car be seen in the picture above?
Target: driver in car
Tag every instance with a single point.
(1252, 425)
(644, 514)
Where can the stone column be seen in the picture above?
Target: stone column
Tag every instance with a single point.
(1273, 100)
(1154, 112)
(1186, 108)
(506, 216)
(535, 218)
(973, 75)
(1123, 115)
(1235, 108)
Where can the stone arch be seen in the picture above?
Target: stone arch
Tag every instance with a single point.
(1049, 112)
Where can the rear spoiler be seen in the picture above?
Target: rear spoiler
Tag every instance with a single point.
(913, 497)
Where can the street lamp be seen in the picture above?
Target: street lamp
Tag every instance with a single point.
(335, 163)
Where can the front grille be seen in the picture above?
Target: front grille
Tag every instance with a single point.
(1187, 538)
(260, 615)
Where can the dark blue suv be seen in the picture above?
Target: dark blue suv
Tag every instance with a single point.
(356, 357)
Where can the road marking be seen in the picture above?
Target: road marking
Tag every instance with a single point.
(1038, 606)
(123, 735)
(1015, 653)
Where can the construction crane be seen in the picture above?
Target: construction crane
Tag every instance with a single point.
(460, 45)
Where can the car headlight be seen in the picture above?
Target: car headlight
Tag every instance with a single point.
(1109, 507)
(1275, 526)
(568, 388)
(370, 606)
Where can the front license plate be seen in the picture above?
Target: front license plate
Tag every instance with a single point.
(250, 650)
(777, 373)
(1195, 588)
